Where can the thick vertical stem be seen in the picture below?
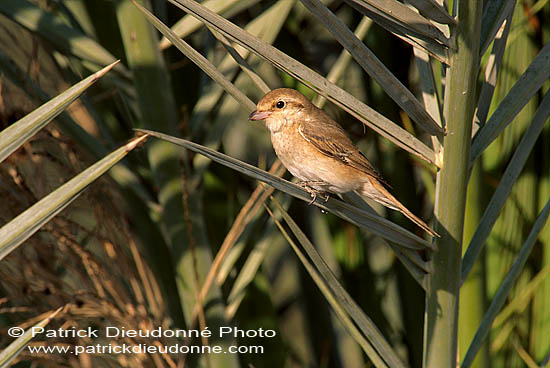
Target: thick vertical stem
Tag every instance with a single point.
(441, 316)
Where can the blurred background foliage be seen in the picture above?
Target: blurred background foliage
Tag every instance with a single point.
(134, 250)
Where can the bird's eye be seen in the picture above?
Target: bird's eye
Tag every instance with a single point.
(280, 104)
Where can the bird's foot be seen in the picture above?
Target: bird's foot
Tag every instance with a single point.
(308, 186)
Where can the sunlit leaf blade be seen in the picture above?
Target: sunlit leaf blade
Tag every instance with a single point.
(14, 348)
(374, 67)
(348, 324)
(365, 114)
(504, 188)
(188, 24)
(18, 133)
(198, 59)
(378, 225)
(369, 329)
(528, 84)
(64, 37)
(504, 290)
(431, 9)
(31, 220)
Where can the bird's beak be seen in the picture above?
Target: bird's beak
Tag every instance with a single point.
(259, 115)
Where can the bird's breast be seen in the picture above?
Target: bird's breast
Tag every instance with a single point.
(307, 163)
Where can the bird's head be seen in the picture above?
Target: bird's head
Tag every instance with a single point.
(280, 107)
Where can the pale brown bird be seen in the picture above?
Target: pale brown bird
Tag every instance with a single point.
(317, 150)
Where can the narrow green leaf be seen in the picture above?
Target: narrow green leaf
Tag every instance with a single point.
(426, 37)
(490, 78)
(505, 186)
(18, 133)
(365, 114)
(398, 13)
(346, 350)
(338, 309)
(248, 271)
(528, 84)
(31, 220)
(233, 244)
(431, 9)
(540, 321)
(243, 64)
(198, 59)
(507, 284)
(14, 348)
(365, 324)
(378, 225)
(189, 24)
(374, 67)
(495, 12)
(340, 67)
(62, 36)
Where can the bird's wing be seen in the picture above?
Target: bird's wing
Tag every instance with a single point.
(331, 140)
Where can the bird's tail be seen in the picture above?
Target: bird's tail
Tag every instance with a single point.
(376, 191)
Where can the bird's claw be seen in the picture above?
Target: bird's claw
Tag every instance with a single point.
(307, 185)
